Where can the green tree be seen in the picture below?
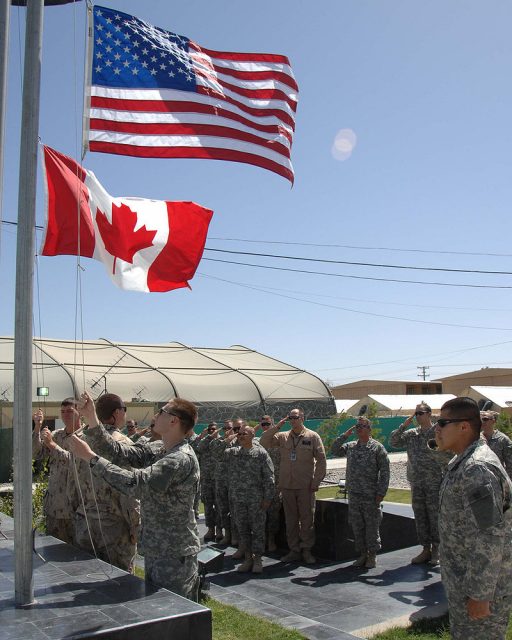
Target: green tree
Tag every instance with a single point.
(328, 430)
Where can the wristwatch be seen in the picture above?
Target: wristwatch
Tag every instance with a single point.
(93, 461)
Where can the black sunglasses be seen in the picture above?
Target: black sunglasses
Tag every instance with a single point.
(421, 413)
(442, 422)
(266, 424)
(168, 412)
(486, 419)
(293, 417)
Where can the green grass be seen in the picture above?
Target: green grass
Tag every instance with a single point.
(230, 623)
(393, 495)
(428, 629)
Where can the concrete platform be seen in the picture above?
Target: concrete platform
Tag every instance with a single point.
(77, 596)
(332, 600)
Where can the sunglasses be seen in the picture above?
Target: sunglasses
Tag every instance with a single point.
(168, 412)
(421, 413)
(487, 419)
(266, 424)
(442, 422)
(293, 417)
(123, 408)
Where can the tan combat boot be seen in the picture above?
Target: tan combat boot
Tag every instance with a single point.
(227, 537)
(308, 557)
(257, 566)
(271, 546)
(361, 561)
(246, 564)
(371, 561)
(422, 557)
(239, 553)
(209, 535)
(434, 556)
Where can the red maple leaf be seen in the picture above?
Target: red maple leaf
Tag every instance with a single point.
(119, 236)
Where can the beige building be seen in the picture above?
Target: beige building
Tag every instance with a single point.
(487, 377)
(363, 388)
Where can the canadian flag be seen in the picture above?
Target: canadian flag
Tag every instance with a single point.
(145, 245)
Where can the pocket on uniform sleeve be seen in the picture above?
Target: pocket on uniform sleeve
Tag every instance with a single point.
(484, 508)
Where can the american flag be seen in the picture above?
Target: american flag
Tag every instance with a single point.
(156, 94)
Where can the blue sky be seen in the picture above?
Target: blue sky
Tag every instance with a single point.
(424, 87)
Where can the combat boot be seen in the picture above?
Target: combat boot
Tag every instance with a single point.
(246, 564)
(291, 556)
(239, 553)
(209, 535)
(308, 557)
(371, 561)
(434, 556)
(422, 557)
(257, 566)
(227, 537)
(361, 561)
(271, 546)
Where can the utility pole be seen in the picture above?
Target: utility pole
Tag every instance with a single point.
(423, 372)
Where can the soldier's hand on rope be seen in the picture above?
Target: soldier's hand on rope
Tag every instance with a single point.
(87, 409)
(80, 448)
(47, 438)
(38, 419)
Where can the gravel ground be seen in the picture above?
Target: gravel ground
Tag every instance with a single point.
(398, 479)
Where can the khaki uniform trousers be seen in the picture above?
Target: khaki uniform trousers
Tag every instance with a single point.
(299, 513)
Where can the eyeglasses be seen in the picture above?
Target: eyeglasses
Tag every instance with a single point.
(421, 413)
(293, 417)
(168, 412)
(487, 419)
(122, 408)
(361, 425)
(442, 422)
(265, 424)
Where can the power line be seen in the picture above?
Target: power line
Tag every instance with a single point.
(361, 264)
(357, 311)
(353, 277)
(363, 248)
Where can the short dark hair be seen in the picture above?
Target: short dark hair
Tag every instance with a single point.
(464, 407)
(186, 412)
(107, 404)
(69, 402)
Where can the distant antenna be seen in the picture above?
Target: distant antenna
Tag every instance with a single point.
(423, 372)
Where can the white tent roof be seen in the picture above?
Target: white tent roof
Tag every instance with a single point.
(501, 396)
(343, 406)
(158, 372)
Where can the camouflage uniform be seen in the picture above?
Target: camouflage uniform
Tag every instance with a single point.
(194, 441)
(166, 483)
(425, 473)
(207, 466)
(274, 511)
(476, 550)
(107, 516)
(367, 477)
(501, 444)
(250, 475)
(60, 499)
(217, 448)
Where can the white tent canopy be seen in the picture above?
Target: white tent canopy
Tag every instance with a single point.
(235, 376)
(402, 404)
(499, 396)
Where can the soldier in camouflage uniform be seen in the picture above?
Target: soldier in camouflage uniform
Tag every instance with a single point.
(475, 527)
(367, 481)
(207, 466)
(250, 474)
(217, 447)
(499, 442)
(109, 517)
(165, 476)
(60, 500)
(274, 511)
(425, 473)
